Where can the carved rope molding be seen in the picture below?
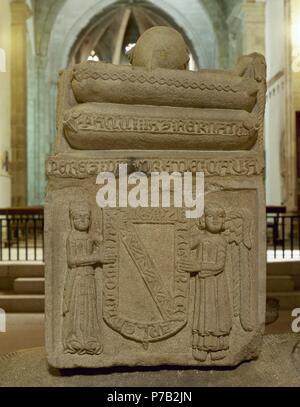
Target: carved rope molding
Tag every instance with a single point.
(85, 74)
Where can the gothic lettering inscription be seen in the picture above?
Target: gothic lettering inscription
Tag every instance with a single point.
(97, 122)
(87, 168)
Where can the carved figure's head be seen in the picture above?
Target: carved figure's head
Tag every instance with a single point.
(80, 215)
(160, 47)
(214, 218)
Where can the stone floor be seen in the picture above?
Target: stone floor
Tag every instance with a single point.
(23, 363)
(282, 324)
(24, 331)
(278, 365)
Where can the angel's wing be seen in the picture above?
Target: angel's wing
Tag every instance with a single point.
(239, 233)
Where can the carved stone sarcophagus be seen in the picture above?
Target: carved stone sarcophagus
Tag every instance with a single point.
(145, 284)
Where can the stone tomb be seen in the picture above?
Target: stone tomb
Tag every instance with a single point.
(148, 286)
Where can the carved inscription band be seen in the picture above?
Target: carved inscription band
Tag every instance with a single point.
(96, 122)
(88, 168)
(109, 126)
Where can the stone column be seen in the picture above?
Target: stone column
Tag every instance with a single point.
(37, 143)
(290, 125)
(254, 27)
(235, 23)
(246, 25)
(20, 12)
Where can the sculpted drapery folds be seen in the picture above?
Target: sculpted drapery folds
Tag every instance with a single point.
(85, 257)
(224, 283)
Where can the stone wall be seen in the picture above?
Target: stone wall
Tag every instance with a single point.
(5, 182)
(296, 51)
(281, 153)
(295, 14)
(275, 109)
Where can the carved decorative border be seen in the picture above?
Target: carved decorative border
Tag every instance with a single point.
(119, 226)
(81, 74)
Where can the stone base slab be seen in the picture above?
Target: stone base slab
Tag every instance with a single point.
(278, 365)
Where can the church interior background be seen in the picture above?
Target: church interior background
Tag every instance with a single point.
(38, 38)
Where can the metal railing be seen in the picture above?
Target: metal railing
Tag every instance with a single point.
(283, 235)
(22, 234)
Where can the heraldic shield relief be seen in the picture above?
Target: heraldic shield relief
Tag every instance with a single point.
(152, 282)
(148, 245)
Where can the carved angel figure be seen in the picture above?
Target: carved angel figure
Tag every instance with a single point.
(85, 255)
(224, 282)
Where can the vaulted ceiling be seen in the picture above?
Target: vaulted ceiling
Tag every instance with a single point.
(46, 11)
